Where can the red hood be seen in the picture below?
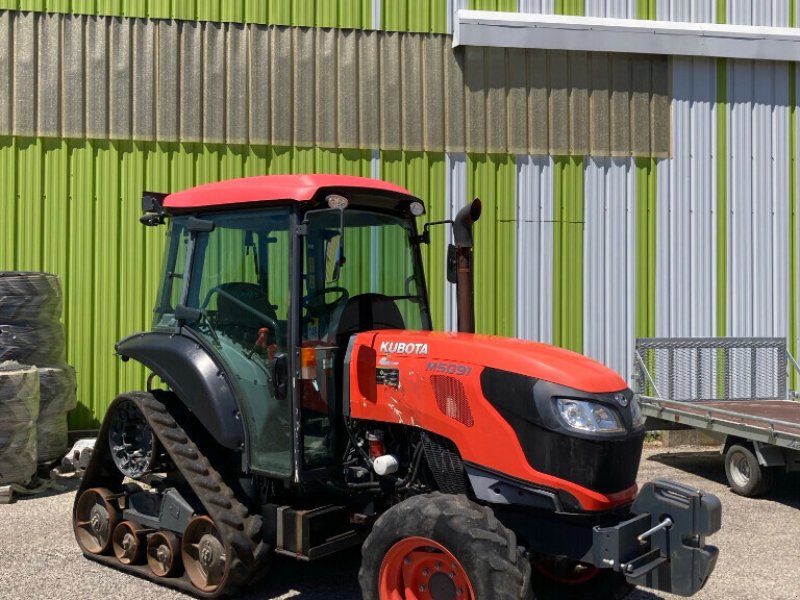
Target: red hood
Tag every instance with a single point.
(534, 359)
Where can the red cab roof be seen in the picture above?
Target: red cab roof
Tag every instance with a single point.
(270, 188)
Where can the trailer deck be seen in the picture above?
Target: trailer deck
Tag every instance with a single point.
(734, 388)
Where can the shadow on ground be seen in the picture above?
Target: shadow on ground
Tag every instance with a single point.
(710, 465)
(332, 577)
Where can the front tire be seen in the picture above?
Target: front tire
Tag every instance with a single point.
(446, 546)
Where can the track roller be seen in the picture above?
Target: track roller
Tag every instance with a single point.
(129, 542)
(96, 517)
(203, 554)
(164, 554)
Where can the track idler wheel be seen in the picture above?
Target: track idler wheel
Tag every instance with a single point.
(203, 553)
(129, 542)
(96, 517)
(164, 554)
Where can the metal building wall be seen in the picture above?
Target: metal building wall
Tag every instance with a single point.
(71, 207)
(583, 251)
(609, 297)
(534, 235)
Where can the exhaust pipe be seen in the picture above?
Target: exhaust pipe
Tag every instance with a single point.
(462, 261)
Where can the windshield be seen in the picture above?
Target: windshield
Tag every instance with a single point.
(365, 277)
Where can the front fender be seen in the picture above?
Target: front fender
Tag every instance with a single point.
(195, 376)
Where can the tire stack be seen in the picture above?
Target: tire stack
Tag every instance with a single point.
(19, 410)
(31, 334)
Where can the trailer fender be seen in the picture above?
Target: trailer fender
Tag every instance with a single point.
(769, 455)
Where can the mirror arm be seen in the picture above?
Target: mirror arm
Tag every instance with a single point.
(425, 236)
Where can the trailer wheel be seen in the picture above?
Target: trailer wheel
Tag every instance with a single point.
(443, 547)
(745, 476)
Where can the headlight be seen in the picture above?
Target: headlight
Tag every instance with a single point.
(591, 417)
(637, 418)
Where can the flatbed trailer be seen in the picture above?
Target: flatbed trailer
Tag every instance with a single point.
(737, 390)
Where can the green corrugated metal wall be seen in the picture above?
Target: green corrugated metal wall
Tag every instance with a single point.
(354, 14)
(423, 174)
(568, 230)
(491, 178)
(71, 207)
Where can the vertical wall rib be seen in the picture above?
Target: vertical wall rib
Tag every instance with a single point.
(609, 306)
(455, 199)
(534, 235)
(758, 180)
(686, 249)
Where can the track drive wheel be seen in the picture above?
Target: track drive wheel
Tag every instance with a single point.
(204, 555)
(95, 519)
(164, 554)
(129, 543)
(437, 546)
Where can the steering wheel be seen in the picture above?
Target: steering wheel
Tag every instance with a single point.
(314, 302)
(217, 289)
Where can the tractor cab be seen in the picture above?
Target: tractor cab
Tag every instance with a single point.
(274, 289)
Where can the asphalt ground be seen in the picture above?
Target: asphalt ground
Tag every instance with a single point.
(759, 548)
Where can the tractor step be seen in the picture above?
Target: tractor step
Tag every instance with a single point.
(312, 533)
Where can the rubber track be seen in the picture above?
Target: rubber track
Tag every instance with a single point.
(247, 555)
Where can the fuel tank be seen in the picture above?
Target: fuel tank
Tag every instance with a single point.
(526, 411)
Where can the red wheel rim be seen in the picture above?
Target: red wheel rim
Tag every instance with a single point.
(418, 568)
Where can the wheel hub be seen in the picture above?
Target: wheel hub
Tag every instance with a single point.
(98, 517)
(442, 587)
(210, 551)
(164, 556)
(128, 542)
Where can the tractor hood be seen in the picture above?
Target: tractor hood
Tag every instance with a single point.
(495, 399)
(523, 357)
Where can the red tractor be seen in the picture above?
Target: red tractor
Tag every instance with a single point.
(301, 404)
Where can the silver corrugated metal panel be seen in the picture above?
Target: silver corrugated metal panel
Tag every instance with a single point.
(534, 189)
(609, 248)
(758, 245)
(455, 194)
(686, 206)
(689, 11)
(542, 7)
(452, 7)
(612, 9)
(185, 81)
(773, 13)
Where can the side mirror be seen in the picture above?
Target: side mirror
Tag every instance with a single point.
(280, 376)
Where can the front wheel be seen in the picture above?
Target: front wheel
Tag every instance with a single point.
(443, 547)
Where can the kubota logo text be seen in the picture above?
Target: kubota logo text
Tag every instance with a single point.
(403, 348)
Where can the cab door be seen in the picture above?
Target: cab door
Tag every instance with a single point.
(240, 282)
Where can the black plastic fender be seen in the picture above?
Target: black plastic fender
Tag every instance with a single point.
(195, 376)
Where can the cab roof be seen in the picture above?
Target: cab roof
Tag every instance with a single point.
(270, 188)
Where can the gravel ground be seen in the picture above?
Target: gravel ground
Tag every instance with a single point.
(759, 549)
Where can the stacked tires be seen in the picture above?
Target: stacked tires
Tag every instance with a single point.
(32, 335)
(19, 411)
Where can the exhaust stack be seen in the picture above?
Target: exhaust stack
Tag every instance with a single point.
(465, 285)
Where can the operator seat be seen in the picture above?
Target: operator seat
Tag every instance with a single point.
(240, 324)
(367, 312)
